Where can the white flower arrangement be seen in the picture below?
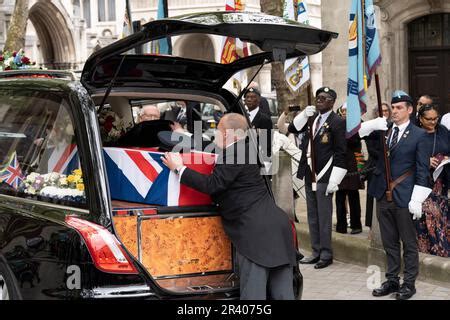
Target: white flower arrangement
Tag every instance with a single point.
(60, 193)
(55, 185)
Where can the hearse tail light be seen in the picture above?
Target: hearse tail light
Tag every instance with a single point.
(105, 249)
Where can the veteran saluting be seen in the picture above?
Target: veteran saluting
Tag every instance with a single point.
(323, 167)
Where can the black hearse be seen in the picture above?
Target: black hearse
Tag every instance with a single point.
(77, 219)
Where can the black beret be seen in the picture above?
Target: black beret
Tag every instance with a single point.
(401, 96)
(256, 91)
(328, 90)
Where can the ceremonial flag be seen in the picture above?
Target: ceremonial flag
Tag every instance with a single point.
(64, 159)
(234, 48)
(296, 70)
(364, 57)
(11, 173)
(127, 28)
(140, 176)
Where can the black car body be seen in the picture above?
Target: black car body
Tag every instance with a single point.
(66, 242)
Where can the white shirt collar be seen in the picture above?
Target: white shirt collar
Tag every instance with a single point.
(401, 127)
(252, 114)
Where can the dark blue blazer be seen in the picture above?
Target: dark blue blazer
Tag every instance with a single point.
(410, 153)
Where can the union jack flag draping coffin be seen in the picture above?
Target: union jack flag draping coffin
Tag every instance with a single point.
(11, 173)
(138, 175)
(64, 159)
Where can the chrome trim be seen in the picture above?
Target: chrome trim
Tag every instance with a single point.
(4, 294)
(139, 235)
(42, 204)
(138, 291)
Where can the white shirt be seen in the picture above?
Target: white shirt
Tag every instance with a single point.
(252, 114)
(401, 130)
(323, 119)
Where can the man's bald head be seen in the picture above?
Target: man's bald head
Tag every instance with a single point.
(232, 127)
(149, 112)
(234, 121)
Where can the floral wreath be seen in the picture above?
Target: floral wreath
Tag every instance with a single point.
(14, 60)
(112, 127)
(55, 185)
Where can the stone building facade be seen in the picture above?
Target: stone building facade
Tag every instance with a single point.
(63, 33)
(415, 48)
(414, 38)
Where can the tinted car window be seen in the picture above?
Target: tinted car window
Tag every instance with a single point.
(38, 151)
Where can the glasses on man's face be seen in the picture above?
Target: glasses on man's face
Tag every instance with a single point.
(323, 98)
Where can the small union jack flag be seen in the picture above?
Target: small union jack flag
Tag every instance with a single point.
(12, 174)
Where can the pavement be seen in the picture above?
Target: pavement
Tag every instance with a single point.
(342, 281)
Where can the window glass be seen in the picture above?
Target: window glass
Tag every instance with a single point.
(38, 151)
(101, 10)
(118, 118)
(111, 10)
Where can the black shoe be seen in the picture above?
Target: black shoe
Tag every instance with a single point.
(310, 260)
(386, 288)
(323, 264)
(405, 292)
(356, 231)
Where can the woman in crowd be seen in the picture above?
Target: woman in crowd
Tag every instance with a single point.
(433, 229)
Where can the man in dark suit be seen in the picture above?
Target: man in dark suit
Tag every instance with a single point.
(259, 230)
(261, 122)
(409, 186)
(329, 149)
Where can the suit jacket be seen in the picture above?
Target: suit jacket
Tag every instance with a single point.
(257, 227)
(263, 121)
(264, 106)
(410, 153)
(329, 142)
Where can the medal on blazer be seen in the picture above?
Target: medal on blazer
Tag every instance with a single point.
(325, 138)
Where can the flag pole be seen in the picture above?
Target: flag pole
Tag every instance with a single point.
(387, 164)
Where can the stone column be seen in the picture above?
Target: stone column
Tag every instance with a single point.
(282, 183)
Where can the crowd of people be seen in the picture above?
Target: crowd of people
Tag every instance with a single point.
(405, 170)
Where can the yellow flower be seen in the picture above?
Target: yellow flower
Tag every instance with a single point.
(71, 179)
(80, 187)
(77, 172)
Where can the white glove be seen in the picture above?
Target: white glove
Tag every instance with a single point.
(301, 119)
(417, 198)
(368, 127)
(337, 174)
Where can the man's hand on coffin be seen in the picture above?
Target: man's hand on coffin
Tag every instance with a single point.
(172, 160)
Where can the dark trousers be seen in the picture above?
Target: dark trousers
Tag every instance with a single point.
(320, 214)
(397, 224)
(257, 281)
(341, 210)
(369, 210)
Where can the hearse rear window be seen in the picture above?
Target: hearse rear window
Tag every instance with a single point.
(38, 151)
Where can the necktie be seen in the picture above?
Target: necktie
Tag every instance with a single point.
(181, 114)
(394, 138)
(317, 125)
